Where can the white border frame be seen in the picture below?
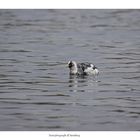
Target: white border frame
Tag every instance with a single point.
(70, 4)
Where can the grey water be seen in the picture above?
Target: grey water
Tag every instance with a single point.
(36, 90)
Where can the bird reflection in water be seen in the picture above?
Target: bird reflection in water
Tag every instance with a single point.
(77, 82)
(82, 83)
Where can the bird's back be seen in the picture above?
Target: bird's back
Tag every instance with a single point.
(82, 67)
(87, 68)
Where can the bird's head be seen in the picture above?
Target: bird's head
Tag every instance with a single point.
(71, 64)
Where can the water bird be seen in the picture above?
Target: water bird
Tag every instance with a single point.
(82, 68)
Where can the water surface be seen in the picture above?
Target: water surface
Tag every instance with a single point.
(36, 91)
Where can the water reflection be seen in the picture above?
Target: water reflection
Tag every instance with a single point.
(81, 83)
(74, 81)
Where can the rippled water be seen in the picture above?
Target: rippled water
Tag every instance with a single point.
(36, 91)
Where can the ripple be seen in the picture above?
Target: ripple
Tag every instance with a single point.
(106, 122)
(35, 103)
(14, 99)
(11, 50)
(119, 110)
(52, 95)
